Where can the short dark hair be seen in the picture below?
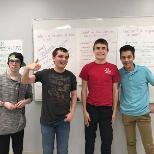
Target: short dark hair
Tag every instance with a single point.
(100, 41)
(54, 53)
(126, 48)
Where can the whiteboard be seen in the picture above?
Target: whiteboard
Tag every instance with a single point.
(78, 36)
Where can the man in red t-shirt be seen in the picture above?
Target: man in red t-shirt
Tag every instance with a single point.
(99, 98)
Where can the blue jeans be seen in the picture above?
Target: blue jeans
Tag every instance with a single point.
(59, 128)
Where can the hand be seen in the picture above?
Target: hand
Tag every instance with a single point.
(118, 107)
(34, 66)
(113, 118)
(9, 106)
(69, 117)
(20, 104)
(86, 118)
(152, 107)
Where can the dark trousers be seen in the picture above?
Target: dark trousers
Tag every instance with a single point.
(17, 142)
(99, 115)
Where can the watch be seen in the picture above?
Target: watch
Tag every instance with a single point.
(2, 103)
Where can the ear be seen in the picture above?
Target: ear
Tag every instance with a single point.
(53, 59)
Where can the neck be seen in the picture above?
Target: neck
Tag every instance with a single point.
(59, 70)
(100, 61)
(130, 69)
(13, 75)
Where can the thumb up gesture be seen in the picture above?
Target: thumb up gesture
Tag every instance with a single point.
(34, 66)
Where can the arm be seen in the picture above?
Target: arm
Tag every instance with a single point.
(73, 101)
(70, 115)
(149, 76)
(26, 79)
(84, 101)
(22, 103)
(115, 100)
(28, 98)
(118, 103)
(84, 95)
(151, 107)
(26, 94)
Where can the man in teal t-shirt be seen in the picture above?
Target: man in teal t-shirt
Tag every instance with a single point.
(134, 100)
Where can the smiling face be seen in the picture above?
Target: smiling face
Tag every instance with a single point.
(60, 60)
(14, 64)
(100, 52)
(127, 58)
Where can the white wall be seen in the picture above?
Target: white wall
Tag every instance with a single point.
(15, 23)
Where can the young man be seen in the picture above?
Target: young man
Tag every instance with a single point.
(101, 78)
(13, 98)
(134, 100)
(57, 84)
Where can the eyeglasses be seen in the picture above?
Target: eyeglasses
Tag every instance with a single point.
(11, 61)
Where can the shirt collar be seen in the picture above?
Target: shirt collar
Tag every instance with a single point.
(135, 69)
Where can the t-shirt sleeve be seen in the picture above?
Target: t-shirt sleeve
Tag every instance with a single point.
(39, 76)
(84, 73)
(116, 77)
(29, 93)
(149, 76)
(73, 83)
